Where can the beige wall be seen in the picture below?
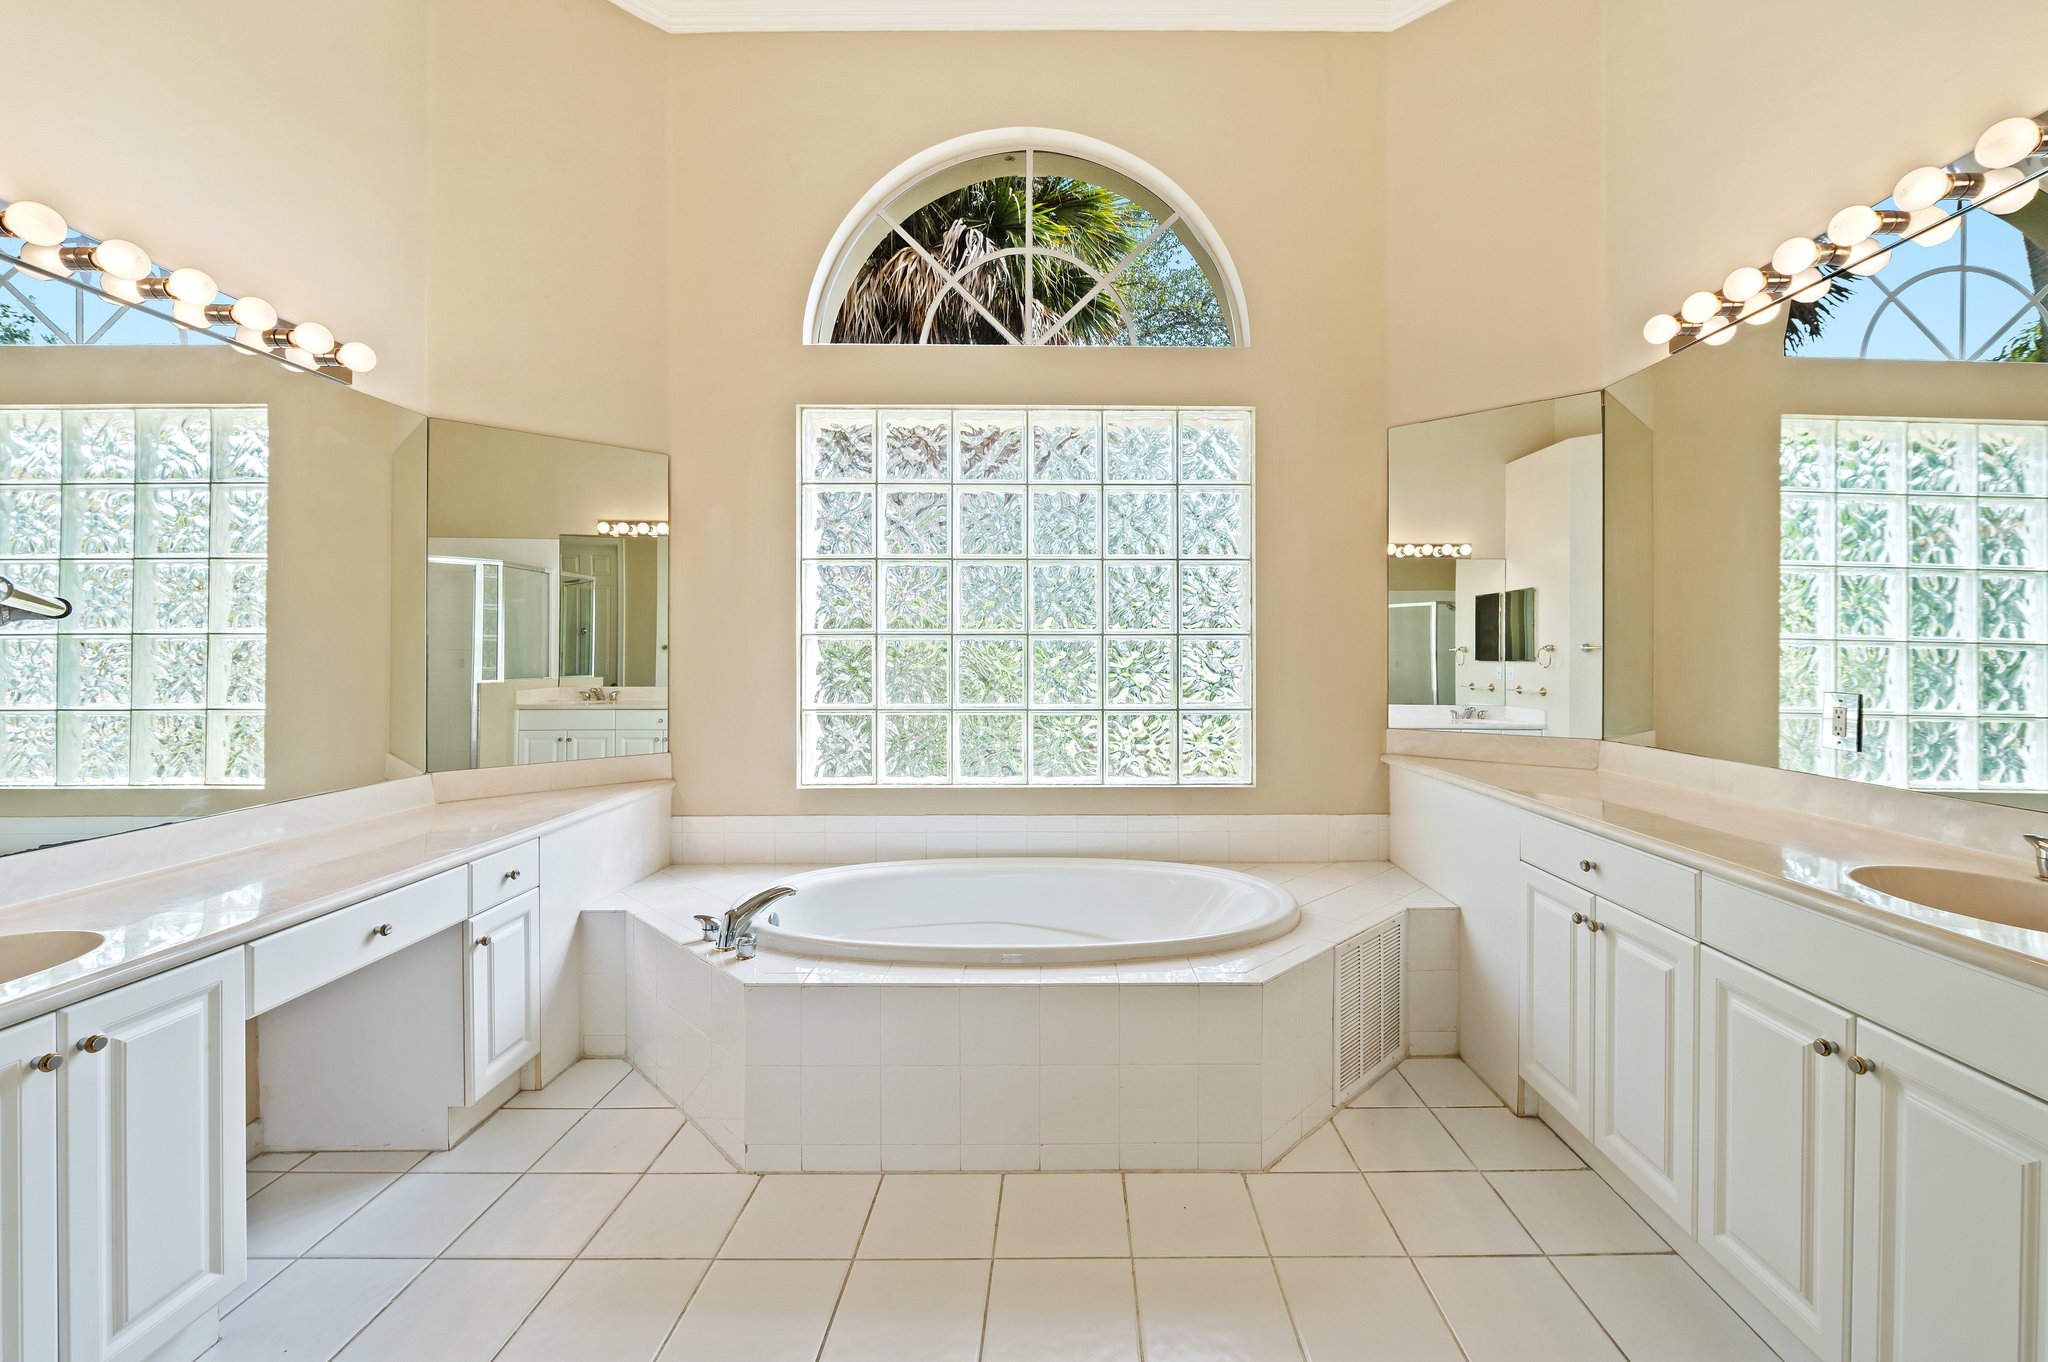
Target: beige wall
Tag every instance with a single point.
(485, 483)
(1445, 480)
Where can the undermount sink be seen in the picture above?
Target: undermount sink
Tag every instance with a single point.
(1989, 898)
(26, 953)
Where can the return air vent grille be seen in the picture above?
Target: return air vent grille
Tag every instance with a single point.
(1368, 1029)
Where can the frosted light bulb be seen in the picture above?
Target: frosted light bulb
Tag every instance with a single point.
(357, 357)
(1464, 550)
(661, 528)
(192, 315)
(253, 314)
(2014, 199)
(642, 527)
(1758, 309)
(605, 527)
(1718, 331)
(46, 260)
(1922, 188)
(1858, 222)
(1799, 253)
(123, 290)
(2008, 142)
(251, 337)
(1660, 329)
(1699, 306)
(118, 259)
(1806, 286)
(312, 337)
(1934, 236)
(192, 286)
(294, 355)
(1867, 258)
(36, 223)
(1743, 284)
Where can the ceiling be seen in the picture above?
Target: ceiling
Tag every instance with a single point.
(812, 16)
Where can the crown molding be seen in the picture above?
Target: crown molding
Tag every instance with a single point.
(840, 16)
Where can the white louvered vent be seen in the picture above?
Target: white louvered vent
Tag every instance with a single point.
(1368, 1027)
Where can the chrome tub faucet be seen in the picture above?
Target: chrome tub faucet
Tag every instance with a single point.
(736, 932)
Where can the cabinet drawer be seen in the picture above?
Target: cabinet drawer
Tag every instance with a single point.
(570, 720)
(299, 960)
(1658, 889)
(503, 875)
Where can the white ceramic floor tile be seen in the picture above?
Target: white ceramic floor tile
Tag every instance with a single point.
(1191, 1215)
(280, 1162)
(261, 1270)
(361, 1161)
(606, 1312)
(1320, 1215)
(673, 1215)
(1063, 1215)
(799, 1215)
(1659, 1310)
(890, 1311)
(635, 1091)
(1575, 1212)
(1074, 1309)
(1496, 1138)
(691, 1152)
(619, 1141)
(1365, 1310)
(257, 1181)
(299, 1209)
(933, 1215)
(418, 1216)
(544, 1215)
(582, 1085)
(1447, 1083)
(509, 1142)
(1515, 1310)
(1323, 1151)
(762, 1312)
(1448, 1213)
(310, 1310)
(1398, 1139)
(1391, 1091)
(455, 1312)
(1212, 1310)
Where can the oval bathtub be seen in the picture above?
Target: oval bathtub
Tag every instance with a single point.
(1026, 911)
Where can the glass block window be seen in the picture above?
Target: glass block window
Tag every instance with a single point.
(1914, 571)
(1011, 597)
(154, 523)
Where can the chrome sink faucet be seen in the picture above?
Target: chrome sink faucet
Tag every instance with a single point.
(736, 932)
(2040, 845)
(598, 695)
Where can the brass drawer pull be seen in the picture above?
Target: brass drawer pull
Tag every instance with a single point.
(1578, 919)
(1824, 1047)
(48, 1064)
(1859, 1065)
(512, 874)
(93, 1044)
(1588, 866)
(483, 941)
(381, 929)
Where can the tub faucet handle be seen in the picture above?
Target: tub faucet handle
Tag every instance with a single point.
(708, 926)
(2040, 845)
(740, 921)
(745, 947)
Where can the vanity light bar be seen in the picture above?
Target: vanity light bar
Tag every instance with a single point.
(1429, 550)
(2009, 154)
(128, 276)
(633, 529)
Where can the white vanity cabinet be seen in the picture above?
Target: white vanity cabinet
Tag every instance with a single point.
(1643, 985)
(29, 1065)
(1557, 995)
(569, 734)
(503, 993)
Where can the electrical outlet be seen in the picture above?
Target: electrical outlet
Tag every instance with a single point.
(1841, 720)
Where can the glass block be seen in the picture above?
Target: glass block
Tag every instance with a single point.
(914, 524)
(93, 672)
(839, 671)
(991, 747)
(991, 597)
(1801, 602)
(1799, 675)
(1066, 446)
(990, 671)
(992, 524)
(989, 446)
(1874, 671)
(839, 446)
(1938, 458)
(1137, 747)
(839, 524)
(1066, 673)
(99, 446)
(916, 596)
(2009, 752)
(31, 522)
(1867, 603)
(241, 444)
(916, 747)
(234, 748)
(1215, 748)
(2009, 607)
(99, 521)
(1798, 743)
(102, 596)
(1215, 447)
(1066, 748)
(916, 671)
(1066, 596)
(31, 444)
(2012, 461)
(1935, 605)
(1137, 446)
(1215, 596)
(1215, 523)
(235, 672)
(172, 522)
(1805, 528)
(2009, 681)
(1137, 524)
(1880, 761)
(39, 577)
(1870, 456)
(916, 446)
(92, 748)
(839, 595)
(170, 671)
(1215, 671)
(1139, 672)
(170, 596)
(28, 671)
(175, 445)
(1868, 530)
(1066, 524)
(1138, 597)
(1934, 751)
(1938, 532)
(2009, 533)
(1936, 682)
(1806, 454)
(240, 590)
(241, 521)
(28, 749)
(170, 749)
(839, 748)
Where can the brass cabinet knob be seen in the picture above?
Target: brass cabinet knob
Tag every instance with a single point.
(512, 874)
(48, 1064)
(483, 941)
(1588, 866)
(1578, 919)
(1859, 1065)
(381, 929)
(93, 1044)
(1592, 924)
(1824, 1047)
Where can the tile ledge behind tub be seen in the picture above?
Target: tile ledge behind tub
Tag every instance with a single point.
(821, 839)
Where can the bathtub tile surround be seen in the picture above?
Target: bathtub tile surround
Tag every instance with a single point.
(835, 839)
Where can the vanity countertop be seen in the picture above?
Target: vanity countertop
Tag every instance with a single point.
(616, 705)
(157, 921)
(1776, 851)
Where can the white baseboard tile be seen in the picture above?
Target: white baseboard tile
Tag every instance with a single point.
(853, 840)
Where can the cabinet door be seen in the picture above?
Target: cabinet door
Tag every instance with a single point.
(153, 1157)
(540, 745)
(504, 993)
(1643, 1017)
(584, 746)
(28, 1193)
(1951, 1210)
(1774, 1163)
(1557, 995)
(639, 742)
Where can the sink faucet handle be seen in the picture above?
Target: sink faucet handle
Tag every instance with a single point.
(2039, 843)
(707, 925)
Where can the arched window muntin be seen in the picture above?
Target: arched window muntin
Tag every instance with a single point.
(1031, 157)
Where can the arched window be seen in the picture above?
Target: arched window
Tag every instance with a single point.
(1026, 237)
